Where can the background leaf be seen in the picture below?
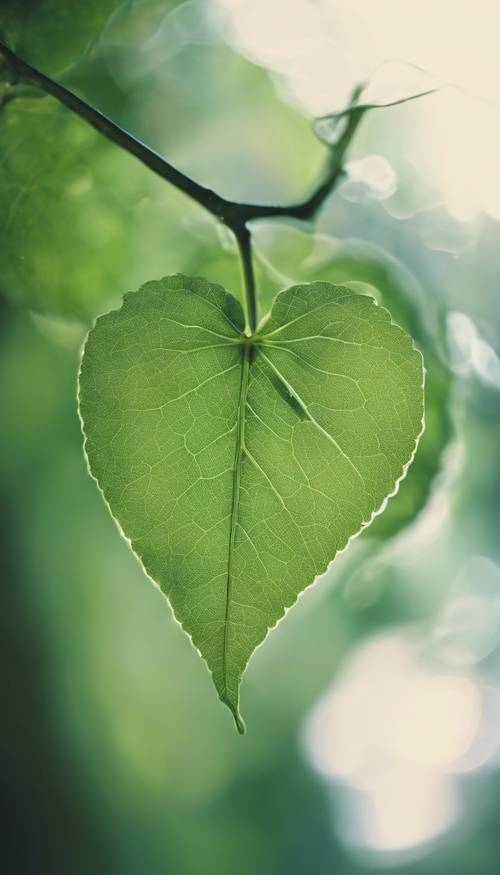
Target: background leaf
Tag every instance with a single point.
(51, 34)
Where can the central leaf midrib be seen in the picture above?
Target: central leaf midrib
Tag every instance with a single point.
(239, 448)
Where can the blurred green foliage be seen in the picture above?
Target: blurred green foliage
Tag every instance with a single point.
(115, 756)
(52, 34)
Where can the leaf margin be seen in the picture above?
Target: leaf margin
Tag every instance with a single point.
(233, 303)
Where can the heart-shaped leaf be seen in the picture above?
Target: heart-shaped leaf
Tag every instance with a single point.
(238, 467)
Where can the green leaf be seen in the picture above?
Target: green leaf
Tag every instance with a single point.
(236, 467)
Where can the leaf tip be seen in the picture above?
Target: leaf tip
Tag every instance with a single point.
(240, 724)
(238, 720)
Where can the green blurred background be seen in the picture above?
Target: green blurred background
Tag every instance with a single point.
(373, 711)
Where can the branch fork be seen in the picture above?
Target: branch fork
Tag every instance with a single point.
(234, 214)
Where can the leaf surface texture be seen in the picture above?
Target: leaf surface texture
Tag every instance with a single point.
(238, 469)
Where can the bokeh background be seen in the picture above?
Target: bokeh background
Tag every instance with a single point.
(373, 710)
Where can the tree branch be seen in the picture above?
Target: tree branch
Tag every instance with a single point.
(30, 75)
(234, 214)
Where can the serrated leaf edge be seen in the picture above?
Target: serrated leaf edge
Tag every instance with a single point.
(235, 709)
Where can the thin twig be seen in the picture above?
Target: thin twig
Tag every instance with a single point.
(334, 170)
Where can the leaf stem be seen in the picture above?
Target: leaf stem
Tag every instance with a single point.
(244, 240)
